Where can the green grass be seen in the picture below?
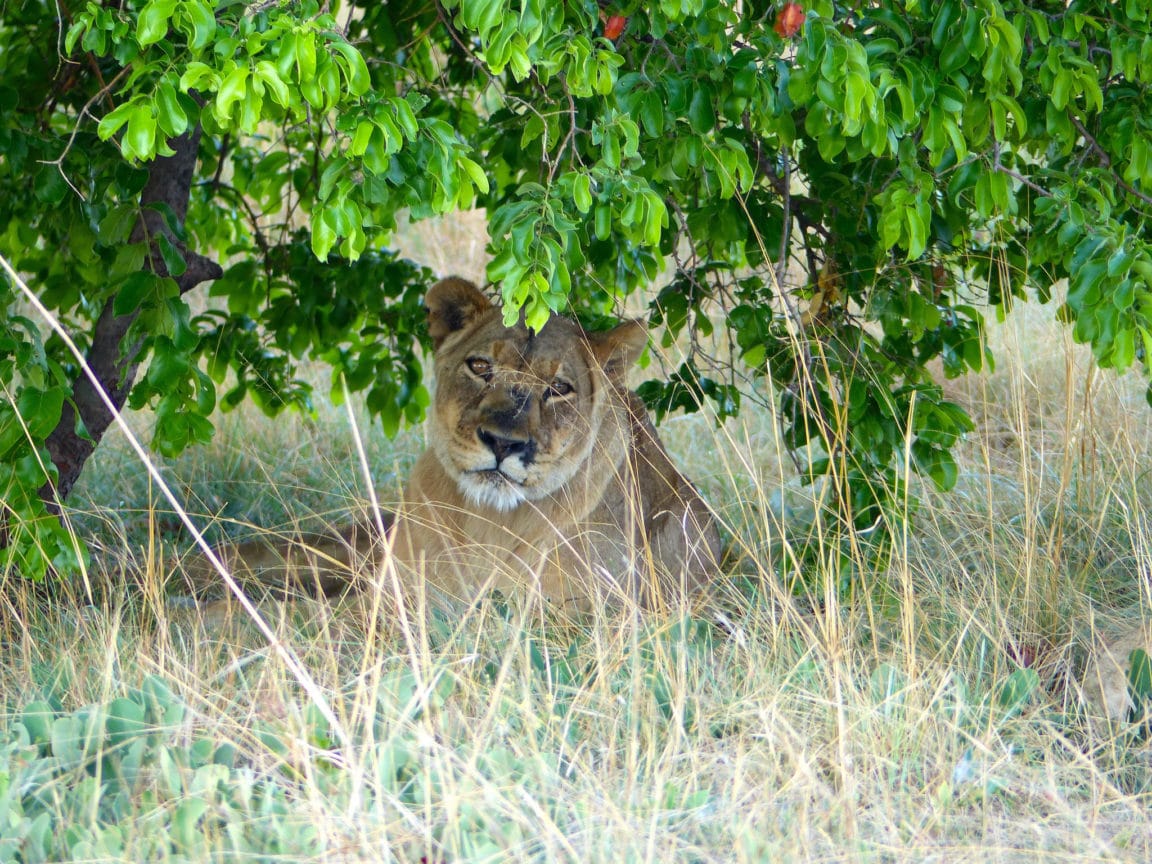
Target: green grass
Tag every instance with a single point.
(930, 714)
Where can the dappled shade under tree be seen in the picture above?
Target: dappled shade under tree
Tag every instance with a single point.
(843, 190)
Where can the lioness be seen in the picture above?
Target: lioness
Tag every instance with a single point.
(543, 475)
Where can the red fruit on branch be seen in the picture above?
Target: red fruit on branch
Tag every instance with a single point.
(614, 25)
(789, 20)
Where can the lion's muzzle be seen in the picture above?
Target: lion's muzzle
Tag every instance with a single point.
(506, 448)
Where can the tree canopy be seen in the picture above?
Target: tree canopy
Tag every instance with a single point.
(915, 162)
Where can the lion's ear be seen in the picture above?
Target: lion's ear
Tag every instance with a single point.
(617, 349)
(452, 305)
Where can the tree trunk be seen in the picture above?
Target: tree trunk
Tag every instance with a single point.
(170, 183)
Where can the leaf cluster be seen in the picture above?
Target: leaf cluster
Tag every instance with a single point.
(838, 208)
(119, 780)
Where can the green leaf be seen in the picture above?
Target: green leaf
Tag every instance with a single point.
(40, 410)
(954, 55)
(125, 721)
(358, 146)
(582, 192)
(173, 257)
(203, 23)
(857, 89)
(701, 114)
(944, 471)
(603, 222)
(1017, 690)
(199, 76)
(917, 233)
(137, 289)
(38, 718)
(270, 77)
(475, 172)
(655, 217)
(171, 221)
(139, 138)
(945, 22)
(610, 151)
(1124, 347)
(185, 821)
(405, 118)
(170, 113)
(355, 70)
(111, 122)
(305, 55)
(323, 234)
(79, 25)
(152, 25)
(232, 90)
(652, 114)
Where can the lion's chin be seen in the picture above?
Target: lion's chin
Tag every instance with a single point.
(491, 489)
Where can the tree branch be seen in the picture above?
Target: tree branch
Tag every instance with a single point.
(798, 205)
(1106, 160)
(115, 364)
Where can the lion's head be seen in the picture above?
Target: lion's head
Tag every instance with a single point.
(517, 414)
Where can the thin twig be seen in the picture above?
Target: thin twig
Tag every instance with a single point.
(59, 161)
(442, 14)
(797, 203)
(1106, 160)
(568, 137)
(1017, 176)
(786, 229)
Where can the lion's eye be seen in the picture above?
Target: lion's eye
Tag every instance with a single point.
(558, 388)
(480, 367)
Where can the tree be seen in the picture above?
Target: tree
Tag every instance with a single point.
(916, 162)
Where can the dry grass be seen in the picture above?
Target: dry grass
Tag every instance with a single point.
(893, 724)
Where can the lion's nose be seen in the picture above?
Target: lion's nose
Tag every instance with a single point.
(502, 447)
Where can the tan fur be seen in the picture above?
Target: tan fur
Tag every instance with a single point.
(543, 476)
(285, 565)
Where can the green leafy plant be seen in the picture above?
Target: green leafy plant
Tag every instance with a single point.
(118, 781)
(840, 190)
